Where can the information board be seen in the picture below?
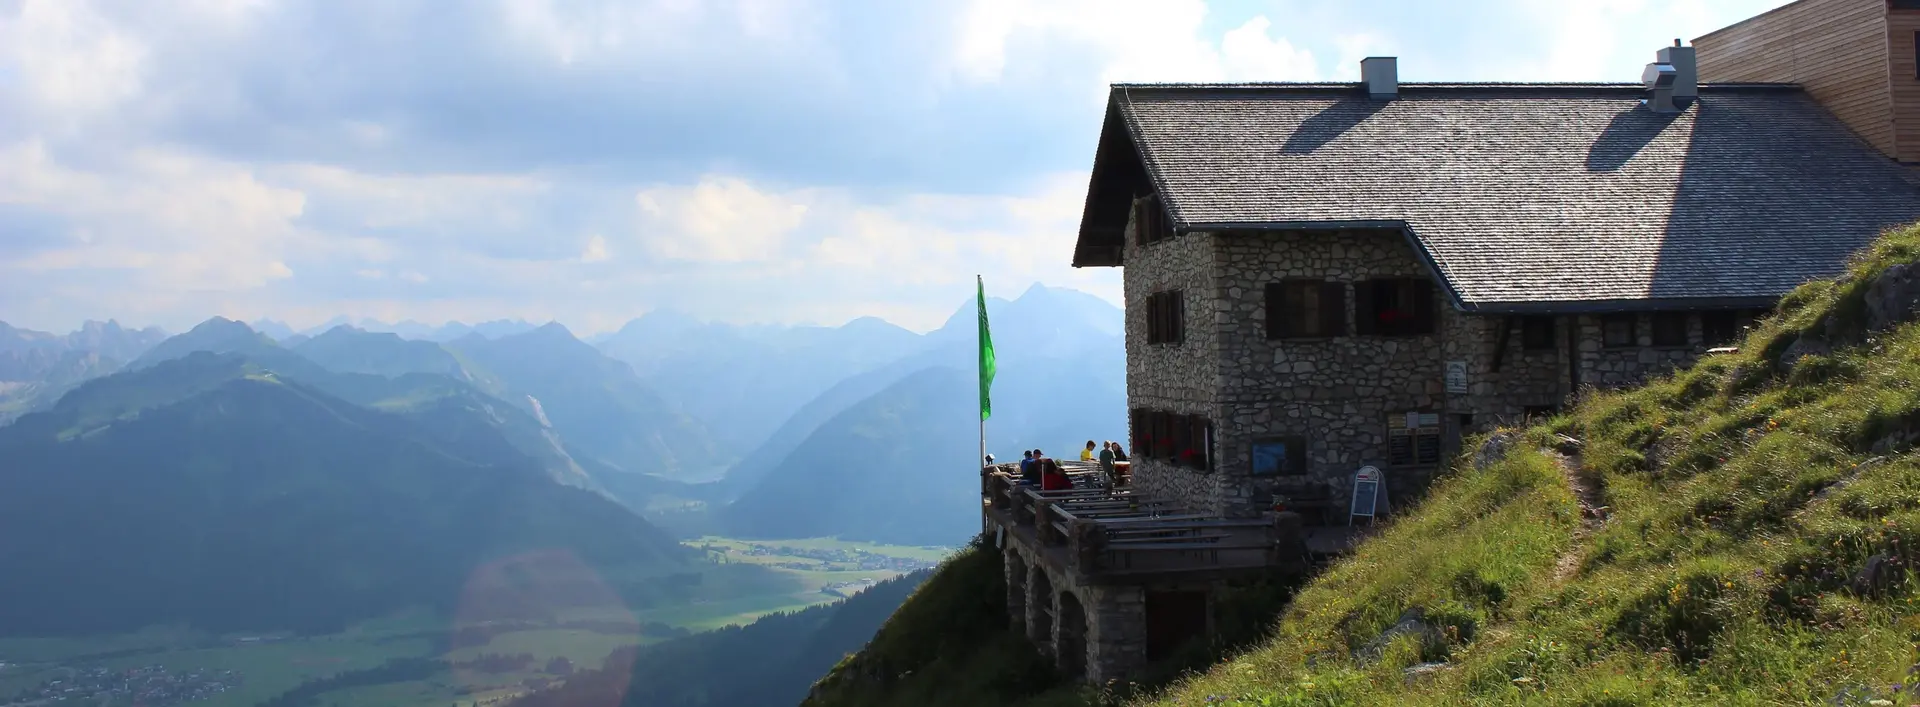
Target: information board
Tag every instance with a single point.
(1366, 493)
(1457, 377)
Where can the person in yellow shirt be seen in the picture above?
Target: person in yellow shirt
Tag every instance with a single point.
(1086, 455)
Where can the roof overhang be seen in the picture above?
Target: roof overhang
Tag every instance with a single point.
(1620, 306)
(1119, 175)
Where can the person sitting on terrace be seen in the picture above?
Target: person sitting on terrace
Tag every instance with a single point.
(1052, 478)
(1086, 455)
(1106, 458)
(1029, 469)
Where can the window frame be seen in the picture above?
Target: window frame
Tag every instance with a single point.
(1729, 326)
(1151, 224)
(1669, 319)
(1633, 330)
(1282, 304)
(1166, 318)
(1424, 318)
(1530, 326)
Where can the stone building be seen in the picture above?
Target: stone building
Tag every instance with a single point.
(1325, 277)
(1321, 277)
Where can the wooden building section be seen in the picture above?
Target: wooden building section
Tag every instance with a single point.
(1903, 77)
(1854, 56)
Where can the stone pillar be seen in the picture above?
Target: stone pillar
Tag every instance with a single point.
(1118, 633)
(1016, 573)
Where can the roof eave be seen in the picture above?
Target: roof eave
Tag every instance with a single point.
(1621, 306)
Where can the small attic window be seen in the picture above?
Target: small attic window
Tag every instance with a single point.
(1150, 221)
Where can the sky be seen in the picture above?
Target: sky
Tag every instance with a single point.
(587, 161)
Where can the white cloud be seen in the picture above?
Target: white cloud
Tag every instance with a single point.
(167, 220)
(595, 250)
(719, 219)
(1135, 41)
(71, 58)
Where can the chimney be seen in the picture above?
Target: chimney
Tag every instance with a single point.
(1672, 80)
(1381, 74)
(1686, 84)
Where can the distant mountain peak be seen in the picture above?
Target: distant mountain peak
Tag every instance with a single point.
(221, 325)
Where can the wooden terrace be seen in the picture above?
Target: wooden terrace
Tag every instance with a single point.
(1101, 531)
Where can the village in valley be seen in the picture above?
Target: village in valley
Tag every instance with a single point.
(147, 686)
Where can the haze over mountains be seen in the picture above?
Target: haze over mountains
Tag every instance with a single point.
(401, 460)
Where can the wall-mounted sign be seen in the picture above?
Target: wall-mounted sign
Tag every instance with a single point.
(1369, 485)
(1457, 377)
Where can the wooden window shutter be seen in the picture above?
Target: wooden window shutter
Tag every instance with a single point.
(1178, 332)
(1420, 301)
(1297, 456)
(1276, 311)
(1365, 317)
(1198, 434)
(1136, 429)
(1182, 438)
(1333, 309)
(1149, 317)
(1139, 222)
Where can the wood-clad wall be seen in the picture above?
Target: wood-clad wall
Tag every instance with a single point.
(1837, 49)
(1903, 82)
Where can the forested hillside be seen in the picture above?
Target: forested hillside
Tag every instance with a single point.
(772, 661)
(214, 491)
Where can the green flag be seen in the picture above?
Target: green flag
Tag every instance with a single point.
(986, 353)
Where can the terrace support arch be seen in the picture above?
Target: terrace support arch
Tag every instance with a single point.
(1070, 637)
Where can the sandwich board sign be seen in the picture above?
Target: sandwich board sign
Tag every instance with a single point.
(1368, 487)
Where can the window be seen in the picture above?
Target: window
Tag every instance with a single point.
(1306, 309)
(1916, 48)
(1186, 440)
(1399, 307)
(1669, 328)
(1719, 328)
(1619, 331)
(1536, 334)
(1166, 318)
(1192, 442)
(1280, 456)
(1150, 221)
(1162, 435)
(1413, 439)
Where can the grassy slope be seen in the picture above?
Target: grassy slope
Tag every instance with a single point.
(1743, 511)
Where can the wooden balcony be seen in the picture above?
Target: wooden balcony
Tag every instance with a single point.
(1102, 532)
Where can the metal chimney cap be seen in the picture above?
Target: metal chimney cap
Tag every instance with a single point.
(1659, 76)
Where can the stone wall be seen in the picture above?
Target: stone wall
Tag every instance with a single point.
(1334, 392)
(1524, 379)
(1181, 378)
(1603, 367)
(1337, 392)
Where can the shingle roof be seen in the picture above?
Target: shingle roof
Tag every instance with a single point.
(1527, 196)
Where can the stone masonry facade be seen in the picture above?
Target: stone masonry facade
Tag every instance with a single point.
(1096, 632)
(1337, 393)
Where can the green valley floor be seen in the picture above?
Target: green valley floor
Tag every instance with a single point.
(420, 659)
